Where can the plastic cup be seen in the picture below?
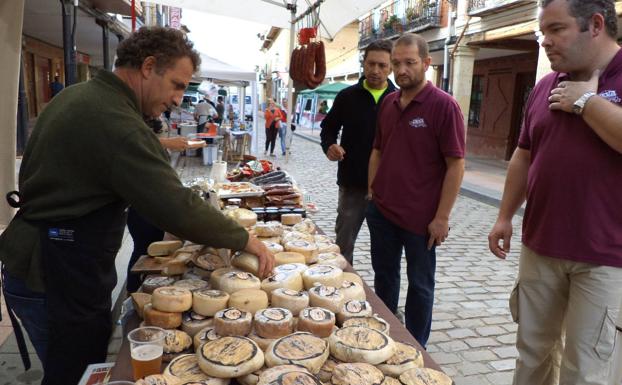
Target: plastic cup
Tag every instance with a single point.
(146, 348)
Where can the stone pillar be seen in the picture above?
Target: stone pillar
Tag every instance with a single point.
(11, 19)
(544, 65)
(462, 78)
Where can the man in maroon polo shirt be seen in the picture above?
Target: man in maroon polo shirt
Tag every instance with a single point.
(568, 165)
(415, 171)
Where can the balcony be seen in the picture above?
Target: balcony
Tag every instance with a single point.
(421, 15)
(481, 8)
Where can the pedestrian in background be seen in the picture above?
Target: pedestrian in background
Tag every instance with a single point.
(273, 118)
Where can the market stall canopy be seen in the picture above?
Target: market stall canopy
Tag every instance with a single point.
(326, 91)
(217, 70)
(334, 14)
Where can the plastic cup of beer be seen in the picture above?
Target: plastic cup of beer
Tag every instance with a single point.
(146, 348)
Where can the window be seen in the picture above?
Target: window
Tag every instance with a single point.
(477, 93)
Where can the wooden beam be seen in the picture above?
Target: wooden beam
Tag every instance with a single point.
(511, 44)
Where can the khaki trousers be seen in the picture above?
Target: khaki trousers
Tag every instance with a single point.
(566, 314)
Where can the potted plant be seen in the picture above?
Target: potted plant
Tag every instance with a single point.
(411, 14)
(393, 23)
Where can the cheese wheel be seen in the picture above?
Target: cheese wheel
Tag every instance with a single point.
(249, 300)
(290, 268)
(326, 275)
(297, 236)
(235, 281)
(161, 319)
(326, 371)
(246, 262)
(291, 219)
(292, 281)
(207, 302)
(405, 357)
(209, 262)
(424, 376)
(291, 300)
(186, 369)
(174, 267)
(189, 248)
(327, 247)
(356, 373)
(171, 299)
(390, 381)
(192, 322)
(182, 257)
(306, 226)
(352, 290)
(288, 257)
(273, 322)
(298, 348)
(163, 248)
(197, 273)
(191, 284)
(373, 322)
(139, 300)
(327, 297)
(204, 335)
(158, 379)
(352, 277)
(306, 248)
(244, 217)
(320, 238)
(233, 322)
(287, 375)
(152, 282)
(230, 357)
(176, 341)
(353, 308)
(262, 342)
(250, 379)
(331, 258)
(268, 229)
(317, 321)
(361, 344)
(273, 247)
(216, 275)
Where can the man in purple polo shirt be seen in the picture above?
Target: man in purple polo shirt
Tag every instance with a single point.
(568, 165)
(415, 171)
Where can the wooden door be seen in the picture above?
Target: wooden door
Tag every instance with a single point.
(525, 82)
(497, 111)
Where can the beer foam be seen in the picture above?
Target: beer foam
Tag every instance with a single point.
(147, 352)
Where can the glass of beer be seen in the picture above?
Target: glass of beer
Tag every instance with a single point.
(146, 348)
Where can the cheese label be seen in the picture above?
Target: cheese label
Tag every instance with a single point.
(274, 314)
(317, 314)
(300, 243)
(321, 270)
(299, 346)
(362, 338)
(355, 306)
(325, 291)
(278, 277)
(241, 275)
(296, 378)
(292, 293)
(347, 284)
(233, 314)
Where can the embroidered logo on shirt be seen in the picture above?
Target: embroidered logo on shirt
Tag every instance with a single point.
(610, 95)
(56, 234)
(418, 123)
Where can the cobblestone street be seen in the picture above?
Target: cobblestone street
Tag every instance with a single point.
(472, 332)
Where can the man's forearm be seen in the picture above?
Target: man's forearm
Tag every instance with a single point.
(515, 189)
(374, 162)
(451, 187)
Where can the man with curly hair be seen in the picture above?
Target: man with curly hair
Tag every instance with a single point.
(89, 157)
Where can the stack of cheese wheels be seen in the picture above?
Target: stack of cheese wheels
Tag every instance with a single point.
(405, 357)
(186, 369)
(175, 343)
(204, 335)
(298, 348)
(306, 226)
(139, 301)
(167, 304)
(288, 257)
(209, 262)
(274, 247)
(246, 262)
(291, 300)
(327, 247)
(244, 217)
(332, 258)
(234, 281)
(290, 268)
(262, 342)
(230, 357)
(316, 320)
(208, 302)
(192, 322)
(306, 248)
(268, 229)
(352, 290)
(424, 376)
(373, 322)
(152, 282)
(327, 297)
(161, 319)
(160, 248)
(292, 281)
(191, 284)
(196, 273)
(356, 373)
(326, 371)
(353, 308)
(233, 322)
(326, 275)
(216, 275)
(291, 219)
(361, 344)
(287, 375)
(249, 300)
(273, 322)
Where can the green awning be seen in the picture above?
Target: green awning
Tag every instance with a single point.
(326, 91)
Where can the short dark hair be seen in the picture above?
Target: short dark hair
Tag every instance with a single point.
(220, 99)
(583, 10)
(414, 39)
(167, 45)
(378, 45)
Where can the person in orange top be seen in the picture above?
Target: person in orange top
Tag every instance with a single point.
(273, 117)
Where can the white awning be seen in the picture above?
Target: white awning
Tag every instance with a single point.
(215, 69)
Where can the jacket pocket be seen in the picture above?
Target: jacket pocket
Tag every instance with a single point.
(605, 345)
(514, 302)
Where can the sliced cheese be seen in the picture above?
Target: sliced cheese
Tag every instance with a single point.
(317, 321)
(327, 297)
(152, 282)
(331, 258)
(288, 257)
(235, 281)
(249, 300)
(191, 284)
(164, 320)
(373, 322)
(405, 357)
(298, 348)
(139, 300)
(326, 275)
(353, 308)
(171, 299)
(293, 300)
(230, 357)
(292, 281)
(273, 322)
(306, 248)
(424, 376)
(291, 219)
(208, 302)
(233, 322)
(361, 344)
(356, 373)
(163, 248)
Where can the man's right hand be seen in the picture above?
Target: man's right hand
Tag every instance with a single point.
(265, 257)
(502, 230)
(335, 152)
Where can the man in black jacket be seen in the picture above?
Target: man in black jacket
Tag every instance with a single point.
(354, 114)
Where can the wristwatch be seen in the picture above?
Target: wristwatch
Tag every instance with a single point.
(578, 106)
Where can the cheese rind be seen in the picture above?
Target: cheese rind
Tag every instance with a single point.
(405, 357)
(317, 321)
(208, 302)
(232, 322)
(164, 320)
(171, 299)
(192, 322)
(287, 375)
(291, 219)
(268, 229)
(273, 322)
(288, 257)
(298, 348)
(424, 376)
(352, 290)
(191, 284)
(353, 308)
(232, 282)
(152, 282)
(373, 322)
(246, 262)
(356, 373)
(204, 335)
(289, 299)
(306, 248)
(139, 300)
(163, 248)
(333, 258)
(249, 300)
(230, 357)
(326, 275)
(361, 344)
(326, 297)
(292, 281)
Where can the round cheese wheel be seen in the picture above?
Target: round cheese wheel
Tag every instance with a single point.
(320, 238)
(158, 379)
(197, 273)
(352, 290)
(327, 297)
(176, 341)
(353, 308)
(424, 376)
(326, 275)
(273, 322)
(230, 357)
(246, 262)
(306, 248)
(244, 217)
(287, 375)
(161, 319)
(291, 219)
(209, 301)
(152, 282)
(139, 300)
(268, 229)
(191, 284)
(288, 257)
(163, 248)
(251, 378)
(273, 247)
(171, 299)
(361, 344)
(216, 275)
(262, 342)
(235, 281)
(390, 381)
(356, 373)
(204, 335)
(292, 281)
(298, 348)
(192, 322)
(297, 236)
(405, 357)
(327, 247)
(209, 262)
(186, 369)
(317, 321)
(233, 322)
(292, 300)
(326, 371)
(352, 277)
(373, 322)
(249, 300)
(306, 226)
(332, 258)
(290, 268)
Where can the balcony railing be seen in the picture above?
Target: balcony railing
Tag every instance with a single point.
(487, 7)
